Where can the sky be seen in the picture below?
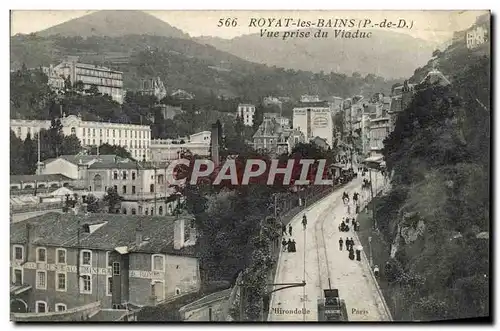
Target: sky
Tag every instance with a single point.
(434, 25)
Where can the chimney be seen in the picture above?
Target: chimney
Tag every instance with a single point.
(215, 144)
(138, 235)
(31, 233)
(179, 234)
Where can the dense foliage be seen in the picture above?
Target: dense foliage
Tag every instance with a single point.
(439, 153)
(185, 64)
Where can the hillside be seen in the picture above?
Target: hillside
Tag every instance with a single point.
(114, 23)
(185, 64)
(387, 54)
(436, 218)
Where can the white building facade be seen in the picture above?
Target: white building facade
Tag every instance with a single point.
(136, 139)
(170, 149)
(314, 119)
(379, 130)
(247, 113)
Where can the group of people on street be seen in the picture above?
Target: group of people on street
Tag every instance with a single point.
(349, 245)
(289, 246)
(344, 226)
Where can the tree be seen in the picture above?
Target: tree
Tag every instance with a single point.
(29, 154)
(107, 149)
(93, 90)
(17, 163)
(112, 201)
(70, 145)
(55, 136)
(93, 204)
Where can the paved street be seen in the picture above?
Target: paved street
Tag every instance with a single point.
(352, 278)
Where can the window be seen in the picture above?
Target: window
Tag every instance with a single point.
(109, 286)
(61, 307)
(108, 261)
(93, 132)
(41, 254)
(119, 133)
(133, 189)
(126, 133)
(115, 174)
(86, 257)
(40, 306)
(100, 133)
(86, 284)
(113, 133)
(115, 187)
(124, 189)
(61, 284)
(152, 188)
(61, 256)
(134, 211)
(18, 252)
(124, 175)
(88, 132)
(41, 280)
(19, 132)
(160, 210)
(17, 276)
(116, 268)
(73, 131)
(158, 262)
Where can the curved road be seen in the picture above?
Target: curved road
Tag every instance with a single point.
(321, 260)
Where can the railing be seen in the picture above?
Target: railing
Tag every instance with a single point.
(35, 207)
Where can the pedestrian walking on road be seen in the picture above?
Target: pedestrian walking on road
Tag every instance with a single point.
(294, 247)
(289, 245)
(284, 244)
(290, 230)
(341, 242)
(304, 221)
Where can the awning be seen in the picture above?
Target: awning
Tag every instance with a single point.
(18, 289)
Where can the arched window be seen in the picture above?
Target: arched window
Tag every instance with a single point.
(115, 175)
(160, 210)
(41, 185)
(97, 183)
(73, 131)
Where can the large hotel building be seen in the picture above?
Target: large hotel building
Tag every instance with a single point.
(134, 138)
(314, 119)
(106, 80)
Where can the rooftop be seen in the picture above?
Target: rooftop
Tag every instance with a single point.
(111, 231)
(313, 104)
(108, 315)
(38, 178)
(84, 159)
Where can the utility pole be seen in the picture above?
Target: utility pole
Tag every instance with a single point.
(373, 201)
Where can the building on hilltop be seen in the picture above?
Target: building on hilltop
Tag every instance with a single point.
(134, 138)
(246, 112)
(107, 81)
(182, 95)
(59, 261)
(154, 87)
